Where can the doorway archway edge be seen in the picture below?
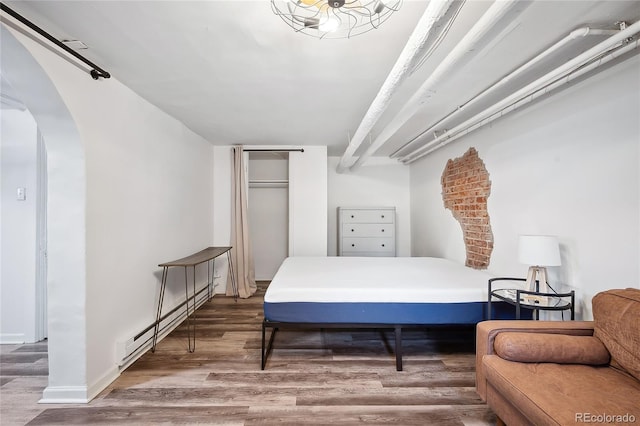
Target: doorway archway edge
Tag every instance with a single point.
(66, 272)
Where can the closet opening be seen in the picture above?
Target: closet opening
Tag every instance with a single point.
(268, 205)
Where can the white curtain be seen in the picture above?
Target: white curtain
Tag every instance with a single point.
(241, 253)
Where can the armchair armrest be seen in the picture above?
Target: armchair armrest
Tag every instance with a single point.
(487, 331)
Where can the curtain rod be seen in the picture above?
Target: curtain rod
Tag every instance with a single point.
(95, 73)
(274, 150)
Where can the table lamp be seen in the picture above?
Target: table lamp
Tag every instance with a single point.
(538, 251)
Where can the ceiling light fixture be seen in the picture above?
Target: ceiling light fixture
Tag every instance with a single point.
(334, 18)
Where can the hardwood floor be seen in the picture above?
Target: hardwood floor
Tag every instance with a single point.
(313, 377)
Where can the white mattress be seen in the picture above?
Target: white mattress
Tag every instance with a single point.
(376, 279)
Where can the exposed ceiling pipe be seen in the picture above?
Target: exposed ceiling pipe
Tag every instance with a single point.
(611, 48)
(468, 44)
(412, 50)
(572, 76)
(573, 35)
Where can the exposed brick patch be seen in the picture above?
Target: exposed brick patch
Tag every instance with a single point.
(465, 189)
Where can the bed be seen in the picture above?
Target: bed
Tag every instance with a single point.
(372, 292)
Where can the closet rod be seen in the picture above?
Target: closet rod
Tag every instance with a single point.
(274, 150)
(95, 73)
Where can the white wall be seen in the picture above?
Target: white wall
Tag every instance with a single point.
(308, 202)
(566, 166)
(379, 183)
(18, 259)
(222, 160)
(149, 199)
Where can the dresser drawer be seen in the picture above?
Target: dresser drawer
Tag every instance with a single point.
(366, 216)
(368, 254)
(367, 230)
(363, 244)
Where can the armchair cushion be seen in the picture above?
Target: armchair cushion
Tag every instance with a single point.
(547, 347)
(557, 394)
(488, 330)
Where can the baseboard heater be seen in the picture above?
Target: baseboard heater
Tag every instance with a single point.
(130, 350)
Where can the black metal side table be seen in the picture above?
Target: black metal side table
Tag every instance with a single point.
(534, 300)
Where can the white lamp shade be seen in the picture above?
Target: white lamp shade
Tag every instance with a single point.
(539, 250)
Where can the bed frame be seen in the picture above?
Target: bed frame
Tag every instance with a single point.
(295, 303)
(275, 325)
(500, 310)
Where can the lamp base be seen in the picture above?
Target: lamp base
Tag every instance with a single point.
(539, 274)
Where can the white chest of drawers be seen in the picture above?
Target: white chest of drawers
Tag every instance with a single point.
(366, 231)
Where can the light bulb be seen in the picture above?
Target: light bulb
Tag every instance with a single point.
(329, 25)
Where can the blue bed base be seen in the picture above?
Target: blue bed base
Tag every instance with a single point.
(385, 313)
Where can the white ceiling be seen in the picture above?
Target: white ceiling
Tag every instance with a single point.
(234, 73)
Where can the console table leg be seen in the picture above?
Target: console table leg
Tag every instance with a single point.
(194, 311)
(234, 287)
(209, 282)
(159, 311)
(189, 320)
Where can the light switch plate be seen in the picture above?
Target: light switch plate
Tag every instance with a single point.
(21, 194)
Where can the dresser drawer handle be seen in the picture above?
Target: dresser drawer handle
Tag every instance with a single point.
(382, 230)
(383, 216)
(352, 230)
(351, 216)
(353, 245)
(383, 245)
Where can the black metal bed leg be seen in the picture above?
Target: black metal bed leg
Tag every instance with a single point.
(398, 348)
(265, 351)
(262, 360)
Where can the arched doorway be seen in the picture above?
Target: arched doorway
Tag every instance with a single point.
(66, 199)
(23, 225)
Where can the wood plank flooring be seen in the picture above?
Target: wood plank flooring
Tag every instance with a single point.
(330, 377)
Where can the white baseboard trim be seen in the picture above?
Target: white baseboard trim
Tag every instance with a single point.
(64, 395)
(78, 394)
(102, 383)
(12, 338)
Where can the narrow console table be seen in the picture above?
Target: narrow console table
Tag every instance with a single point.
(207, 255)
